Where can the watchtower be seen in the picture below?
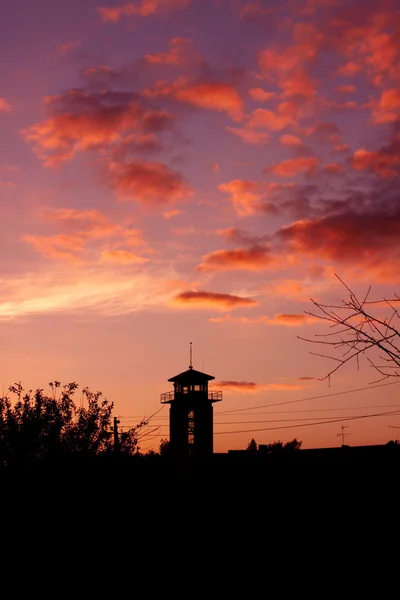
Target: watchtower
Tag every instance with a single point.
(191, 413)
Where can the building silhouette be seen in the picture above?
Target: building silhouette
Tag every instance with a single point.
(191, 414)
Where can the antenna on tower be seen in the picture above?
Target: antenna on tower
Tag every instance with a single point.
(191, 365)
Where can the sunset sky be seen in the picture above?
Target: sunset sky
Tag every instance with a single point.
(197, 170)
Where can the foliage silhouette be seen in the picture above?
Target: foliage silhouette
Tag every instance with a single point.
(164, 448)
(36, 428)
(279, 447)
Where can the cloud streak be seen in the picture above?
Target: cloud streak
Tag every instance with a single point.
(207, 300)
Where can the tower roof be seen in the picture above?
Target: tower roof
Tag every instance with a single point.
(192, 376)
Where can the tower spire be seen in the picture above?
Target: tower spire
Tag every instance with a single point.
(191, 365)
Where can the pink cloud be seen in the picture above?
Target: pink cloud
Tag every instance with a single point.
(249, 136)
(387, 109)
(209, 95)
(254, 10)
(383, 163)
(263, 118)
(65, 49)
(260, 95)
(294, 166)
(180, 52)
(4, 105)
(346, 89)
(141, 8)
(332, 168)
(148, 182)
(349, 69)
(290, 140)
(365, 242)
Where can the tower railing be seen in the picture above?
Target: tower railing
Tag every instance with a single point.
(168, 397)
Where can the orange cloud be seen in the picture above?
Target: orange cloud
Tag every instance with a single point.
(249, 387)
(387, 110)
(4, 105)
(332, 168)
(102, 288)
(141, 8)
(93, 225)
(384, 164)
(346, 89)
(249, 197)
(209, 95)
(122, 257)
(288, 288)
(180, 51)
(208, 300)
(212, 96)
(294, 166)
(286, 320)
(263, 118)
(252, 259)
(349, 69)
(291, 320)
(249, 136)
(244, 387)
(84, 228)
(261, 95)
(290, 140)
(148, 182)
(80, 121)
(57, 247)
(170, 214)
(245, 195)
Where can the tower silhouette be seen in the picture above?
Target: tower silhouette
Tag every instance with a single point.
(191, 414)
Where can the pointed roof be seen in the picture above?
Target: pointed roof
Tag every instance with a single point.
(191, 376)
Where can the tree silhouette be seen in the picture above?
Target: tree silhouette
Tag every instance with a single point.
(252, 446)
(164, 448)
(357, 330)
(279, 447)
(37, 428)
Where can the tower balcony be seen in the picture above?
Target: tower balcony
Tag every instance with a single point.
(168, 397)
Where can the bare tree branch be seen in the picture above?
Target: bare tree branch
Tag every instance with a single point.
(355, 331)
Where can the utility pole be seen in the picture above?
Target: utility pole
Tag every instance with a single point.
(343, 434)
(116, 438)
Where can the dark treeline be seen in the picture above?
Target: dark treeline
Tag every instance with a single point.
(38, 429)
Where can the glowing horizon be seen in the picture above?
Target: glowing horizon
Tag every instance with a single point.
(197, 170)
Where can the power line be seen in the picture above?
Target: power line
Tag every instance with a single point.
(309, 424)
(279, 412)
(307, 410)
(308, 399)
